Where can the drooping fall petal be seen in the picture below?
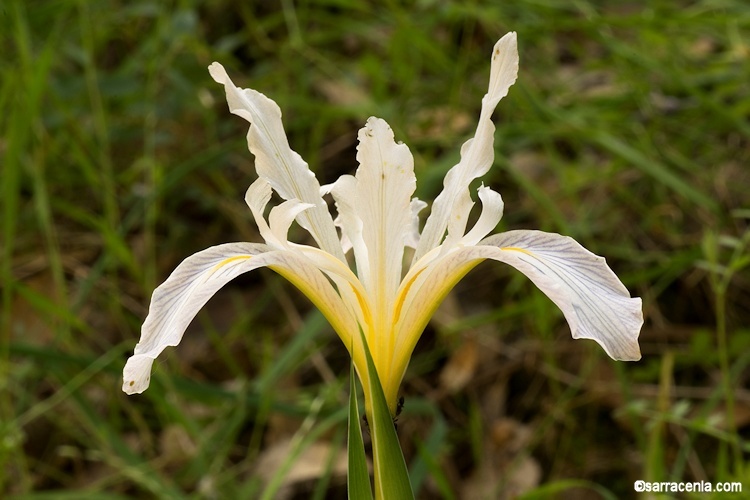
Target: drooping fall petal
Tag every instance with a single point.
(175, 302)
(593, 300)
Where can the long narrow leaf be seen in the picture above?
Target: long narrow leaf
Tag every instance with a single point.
(391, 475)
(358, 478)
(558, 487)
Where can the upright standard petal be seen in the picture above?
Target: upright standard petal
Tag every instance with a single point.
(276, 162)
(345, 194)
(376, 214)
(257, 197)
(492, 212)
(382, 193)
(451, 208)
(412, 237)
(175, 302)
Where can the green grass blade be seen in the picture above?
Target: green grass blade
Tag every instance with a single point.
(358, 478)
(391, 475)
(106, 437)
(312, 429)
(553, 490)
(654, 169)
(294, 352)
(427, 464)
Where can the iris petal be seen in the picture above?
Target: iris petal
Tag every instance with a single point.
(492, 212)
(450, 211)
(593, 300)
(276, 162)
(376, 214)
(175, 302)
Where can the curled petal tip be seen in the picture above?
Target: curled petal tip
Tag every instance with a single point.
(507, 41)
(137, 374)
(218, 73)
(630, 353)
(504, 67)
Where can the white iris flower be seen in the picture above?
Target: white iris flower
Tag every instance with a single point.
(389, 299)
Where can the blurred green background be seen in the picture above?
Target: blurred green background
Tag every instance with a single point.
(628, 129)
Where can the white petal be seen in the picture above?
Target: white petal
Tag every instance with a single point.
(492, 212)
(348, 285)
(136, 375)
(344, 192)
(385, 184)
(346, 243)
(275, 161)
(504, 68)
(176, 301)
(450, 211)
(281, 218)
(594, 301)
(412, 236)
(462, 205)
(326, 189)
(257, 197)
(375, 208)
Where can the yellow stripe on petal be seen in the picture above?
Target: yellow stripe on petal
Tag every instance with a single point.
(422, 295)
(403, 293)
(363, 306)
(227, 261)
(516, 249)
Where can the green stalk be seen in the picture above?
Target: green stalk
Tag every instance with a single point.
(391, 475)
(726, 378)
(720, 278)
(358, 479)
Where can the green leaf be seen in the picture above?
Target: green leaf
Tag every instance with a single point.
(553, 489)
(391, 475)
(654, 168)
(358, 478)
